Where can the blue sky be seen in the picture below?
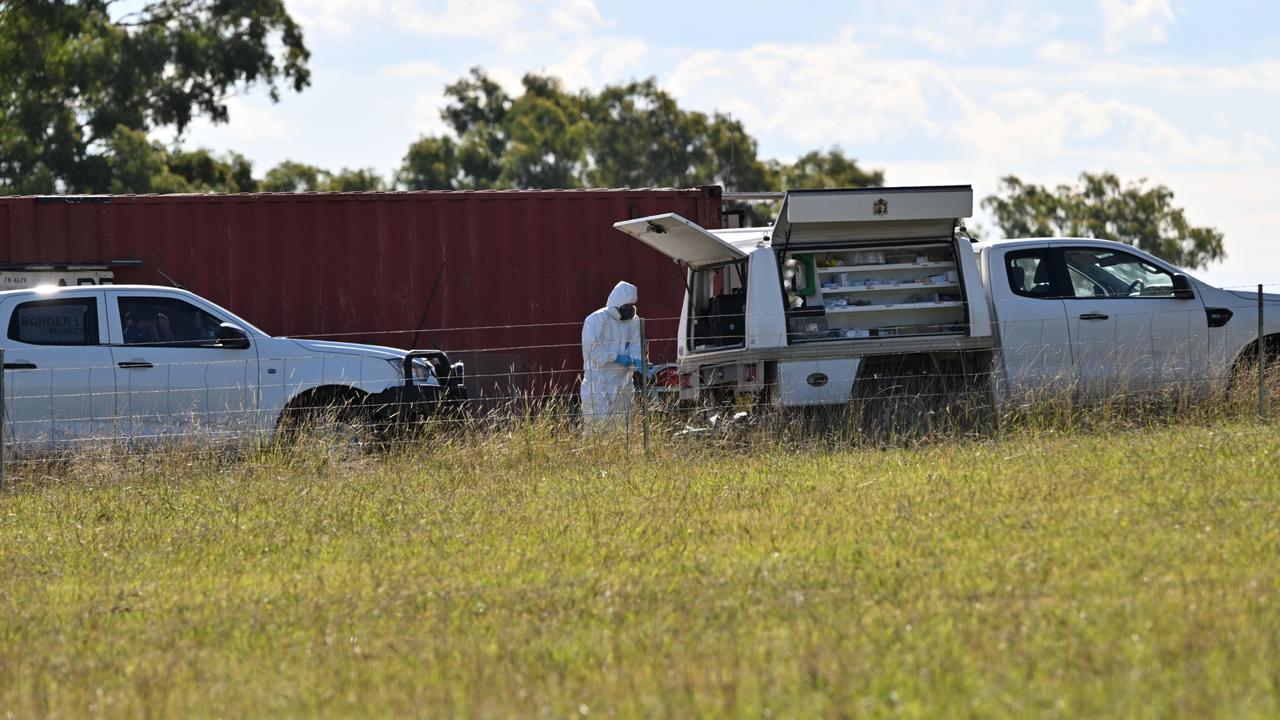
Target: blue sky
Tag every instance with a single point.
(1186, 94)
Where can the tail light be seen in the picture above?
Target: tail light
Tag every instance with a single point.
(667, 378)
(751, 373)
(686, 381)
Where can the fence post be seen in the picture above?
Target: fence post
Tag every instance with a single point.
(644, 385)
(1262, 363)
(2, 419)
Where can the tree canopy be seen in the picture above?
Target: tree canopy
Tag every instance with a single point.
(77, 76)
(1100, 206)
(630, 135)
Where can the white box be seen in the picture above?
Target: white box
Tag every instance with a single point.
(816, 382)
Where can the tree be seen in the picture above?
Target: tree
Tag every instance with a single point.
(547, 134)
(138, 165)
(354, 180)
(76, 74)
(431, 164)
(1100, 206)
(831, 169)
(290, 176)
(632, 135)
(206, 172)
(642, 138)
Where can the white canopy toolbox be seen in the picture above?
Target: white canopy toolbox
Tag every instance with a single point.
(841, 275)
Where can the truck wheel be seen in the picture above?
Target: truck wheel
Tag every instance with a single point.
(1243, 384)
(335, 414)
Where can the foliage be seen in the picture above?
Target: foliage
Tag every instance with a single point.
(77, 74)
(521, 573)
(830, 169)
(138, 165)
(1100, 206)
(290, 176)
(631, 135)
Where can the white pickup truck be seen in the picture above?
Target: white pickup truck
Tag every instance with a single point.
(855, 293)
(132, 362)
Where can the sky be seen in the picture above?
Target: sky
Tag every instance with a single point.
(1181, 93)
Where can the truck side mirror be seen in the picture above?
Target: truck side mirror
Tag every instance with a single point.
(232, 337)
(1182, 287)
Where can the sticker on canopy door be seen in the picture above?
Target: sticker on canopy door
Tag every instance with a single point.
(26, 279)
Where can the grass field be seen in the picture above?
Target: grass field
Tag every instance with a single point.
(1118, 573)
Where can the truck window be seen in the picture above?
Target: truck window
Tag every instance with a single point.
(69, 321)
(1031, 273)
(1103, 272)
(717, 307)
(166, 321)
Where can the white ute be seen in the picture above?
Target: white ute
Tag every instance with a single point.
(87, 363)
(867, 292)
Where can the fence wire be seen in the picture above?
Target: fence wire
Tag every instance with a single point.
(187, 397)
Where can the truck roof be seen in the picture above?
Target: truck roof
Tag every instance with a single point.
(1005, 242)
(55, 289)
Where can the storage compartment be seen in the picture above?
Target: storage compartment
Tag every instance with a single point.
(718, 307)
(816, 382)
(879, 291)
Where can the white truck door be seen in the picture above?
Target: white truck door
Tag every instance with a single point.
(59, 380)
(1128, 331)
(682, 240)
(172, 374)
(1035, 345)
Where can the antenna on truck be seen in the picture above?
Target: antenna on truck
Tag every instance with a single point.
(172, 282)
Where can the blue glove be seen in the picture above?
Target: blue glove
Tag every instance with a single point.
(623, 360)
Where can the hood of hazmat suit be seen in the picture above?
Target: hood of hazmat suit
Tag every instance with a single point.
(607, 387)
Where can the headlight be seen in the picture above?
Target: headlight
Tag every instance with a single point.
(422, 369)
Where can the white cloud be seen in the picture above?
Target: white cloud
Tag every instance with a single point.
(592, 63)
(958, 29)
(333, 17)
(1059, 51)
(415, 69)
(577, 17)
(814, 93)
(1134, 22)
(254, 119)
(424, 116)
(509, 24)
(459, 18)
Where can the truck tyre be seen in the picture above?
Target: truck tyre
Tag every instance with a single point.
(338, 413)
(1243, 383)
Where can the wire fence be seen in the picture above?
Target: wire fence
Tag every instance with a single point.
(60, 400)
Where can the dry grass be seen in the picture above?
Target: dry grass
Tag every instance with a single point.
(525, 571)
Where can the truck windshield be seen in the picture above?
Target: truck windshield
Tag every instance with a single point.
(717, 306)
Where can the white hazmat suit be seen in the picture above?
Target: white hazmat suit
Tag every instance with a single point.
(607, 387)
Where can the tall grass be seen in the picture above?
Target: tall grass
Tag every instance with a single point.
(521, 569)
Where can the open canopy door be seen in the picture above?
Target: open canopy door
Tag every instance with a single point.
(872, 215)
(681, 240)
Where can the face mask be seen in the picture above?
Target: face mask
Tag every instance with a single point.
(627, 312)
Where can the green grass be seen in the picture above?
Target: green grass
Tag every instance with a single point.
(1123, 573)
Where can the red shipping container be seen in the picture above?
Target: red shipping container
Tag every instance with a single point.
(517, 270)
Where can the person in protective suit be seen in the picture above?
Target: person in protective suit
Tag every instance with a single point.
(610, 354)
